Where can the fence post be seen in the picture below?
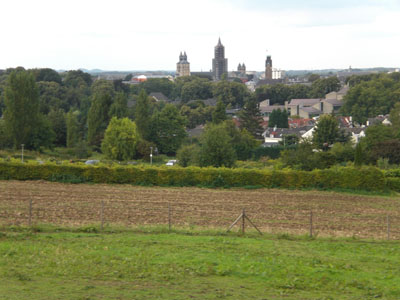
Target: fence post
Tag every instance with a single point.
(169, 216)
(102, 215)
(30, 212)
(243, 217)
(311, 223)
(388, 226)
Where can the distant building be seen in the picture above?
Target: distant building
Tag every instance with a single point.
(268, 68)
(219, 62)
(241, 69)
(183, 66)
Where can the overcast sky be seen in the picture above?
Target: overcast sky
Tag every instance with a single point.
(149, 34)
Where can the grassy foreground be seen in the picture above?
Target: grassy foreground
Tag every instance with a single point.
(134, 265)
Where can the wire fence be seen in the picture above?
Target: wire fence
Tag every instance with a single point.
(27, 209)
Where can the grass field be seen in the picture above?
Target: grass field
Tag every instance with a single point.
(137, 265)
(272, 210)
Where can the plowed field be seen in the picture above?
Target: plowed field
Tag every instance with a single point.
(271, 210)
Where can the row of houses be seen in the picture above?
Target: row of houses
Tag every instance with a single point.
(308, 108)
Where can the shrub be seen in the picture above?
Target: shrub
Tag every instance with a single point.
(365, 178)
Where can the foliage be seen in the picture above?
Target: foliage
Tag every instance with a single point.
(98, 116)
(388, 149)
(72, 128)
(188, 155)
(160, 85)
(250, 117)
(359, 156)
(5, 139)
(77, 79)
(279, 93)
(343, 152)
(219, 114)
(395, 116)
(197, 115)
(58, 124)
(120, 139)
(313, 77)
(377, 134)
(119, 108)
(371, 98)
(21, 114)
(321, 87)
(278, 118)
(269, 152)
(215, 147)
(230, 93)
(365, 178)
(47, 74)
(143, 115)
(198, 88)
(326, 132)
(168, 129)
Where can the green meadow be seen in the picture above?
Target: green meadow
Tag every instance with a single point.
(62, 264)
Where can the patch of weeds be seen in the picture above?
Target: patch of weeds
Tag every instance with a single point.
(88, 229)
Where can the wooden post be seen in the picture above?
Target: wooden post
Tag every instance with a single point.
(388, 226)
(169, 216)
(102, 215)
(30, 212)
(311, 224)
(243, 218)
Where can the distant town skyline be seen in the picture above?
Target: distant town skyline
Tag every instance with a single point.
(149, 35)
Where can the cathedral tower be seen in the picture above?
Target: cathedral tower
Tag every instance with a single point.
(219, 62)
(183, 66)
(268, 68)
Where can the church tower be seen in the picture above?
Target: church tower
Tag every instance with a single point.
(268, 68)
(183, 66)
(219, 62)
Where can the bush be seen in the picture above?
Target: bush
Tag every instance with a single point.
(365, 178)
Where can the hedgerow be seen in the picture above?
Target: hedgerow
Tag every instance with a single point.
(365, 178)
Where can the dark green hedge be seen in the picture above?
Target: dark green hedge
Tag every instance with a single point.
(366, 178)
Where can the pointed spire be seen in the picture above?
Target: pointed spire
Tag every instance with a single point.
(219, 41)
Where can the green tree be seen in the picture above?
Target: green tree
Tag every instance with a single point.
(241, 140)
(199, 88)
(43, 135)
(77, 79)
(313, 77)
(395, 116)
(250, 117)
(98, 117)
(120, 139)
(47, 74)
(359, 155)
(278, 118)
(168, 129)
(326, 132)
(58, 124)
(21, 113)
(119, 108)
(219, 114)
(215, 147)
(143, 115)
(230, 93)
(321, 87)
(73, 132)
(371, 98)
(188, 155)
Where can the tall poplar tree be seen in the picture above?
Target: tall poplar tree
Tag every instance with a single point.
(21, 113)
(143, 115)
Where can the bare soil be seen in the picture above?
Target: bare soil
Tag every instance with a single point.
(271, 210)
